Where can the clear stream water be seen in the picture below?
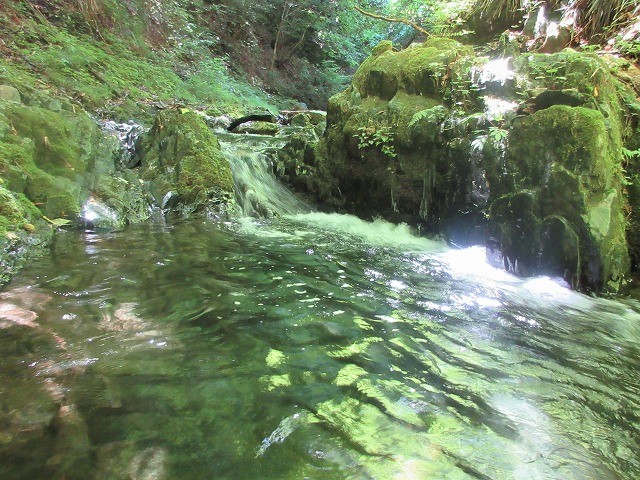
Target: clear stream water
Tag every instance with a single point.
(308, 346)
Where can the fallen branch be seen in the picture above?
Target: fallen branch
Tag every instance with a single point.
(413, 25)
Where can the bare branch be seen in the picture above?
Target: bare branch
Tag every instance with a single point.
(406, 21)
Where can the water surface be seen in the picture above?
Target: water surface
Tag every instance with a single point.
(310, 346)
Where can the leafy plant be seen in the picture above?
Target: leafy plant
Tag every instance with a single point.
(381, 137)
(58, 222)
(629, 154)
(498, 134)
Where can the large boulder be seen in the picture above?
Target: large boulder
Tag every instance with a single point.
(181, 160)
(569, 165)
(525, 154)
(388, 149)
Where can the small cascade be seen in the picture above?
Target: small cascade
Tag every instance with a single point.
(126, 133)
(258, 192)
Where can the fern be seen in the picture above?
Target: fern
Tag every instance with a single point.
(418, 116)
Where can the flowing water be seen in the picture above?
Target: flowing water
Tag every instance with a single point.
(308, 346)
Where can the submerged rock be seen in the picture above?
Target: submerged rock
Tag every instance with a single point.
(11, 314)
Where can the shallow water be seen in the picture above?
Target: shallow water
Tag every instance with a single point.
(311, 346)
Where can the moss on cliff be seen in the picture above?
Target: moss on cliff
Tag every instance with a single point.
(551, 178)
(572, 156)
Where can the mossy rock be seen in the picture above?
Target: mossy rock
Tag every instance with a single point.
(308, 117)
(55, 158)
(420, 70)
(572, 157)
(515, 232)
(12, 211)
(10, 94)
(258, 128)
(556, 178)
(578, 139)
(181, 154)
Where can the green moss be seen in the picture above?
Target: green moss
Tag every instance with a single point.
(259, 128)
(420, 70)
(56, 196)
(54, 158)
(382, 47)
(572, 157)
(119, 75)
(11, 213)
(182, 155)
(577, 138)
(57, 139)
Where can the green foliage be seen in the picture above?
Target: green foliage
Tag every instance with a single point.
(630, 154)
(628, 48)
(379, 137)
(603, 16)
(213, 83)
(441, 17)
(498, 134)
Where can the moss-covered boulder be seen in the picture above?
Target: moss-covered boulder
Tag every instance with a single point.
(571, 160)
(388, 149)
(420, 70)
(258, 128)
(525, 154)
(53, 165)
(181, 160)
(60, 159)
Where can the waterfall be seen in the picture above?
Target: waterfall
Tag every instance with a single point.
(258, 192)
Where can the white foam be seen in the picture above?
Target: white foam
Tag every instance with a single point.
(378, 233)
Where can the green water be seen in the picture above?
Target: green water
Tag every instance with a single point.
(314, 346)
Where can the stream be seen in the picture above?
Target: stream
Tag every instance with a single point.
(307, 346)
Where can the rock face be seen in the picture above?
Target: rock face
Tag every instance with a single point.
(524, 154)
(51, 163)
(181, 160)
(57, 165)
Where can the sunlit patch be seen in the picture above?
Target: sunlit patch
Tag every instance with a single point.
(285, 428)
(496, 107)
(274, 382)
(93, 210)
(397, 285)
(275, 358)
(310, 300)
(349, 374)
(478, 301)
(497, 70)
(472, 262)
(388, 319)
(378, 233)
(547, 287)
(434, 306)
(526, 320)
